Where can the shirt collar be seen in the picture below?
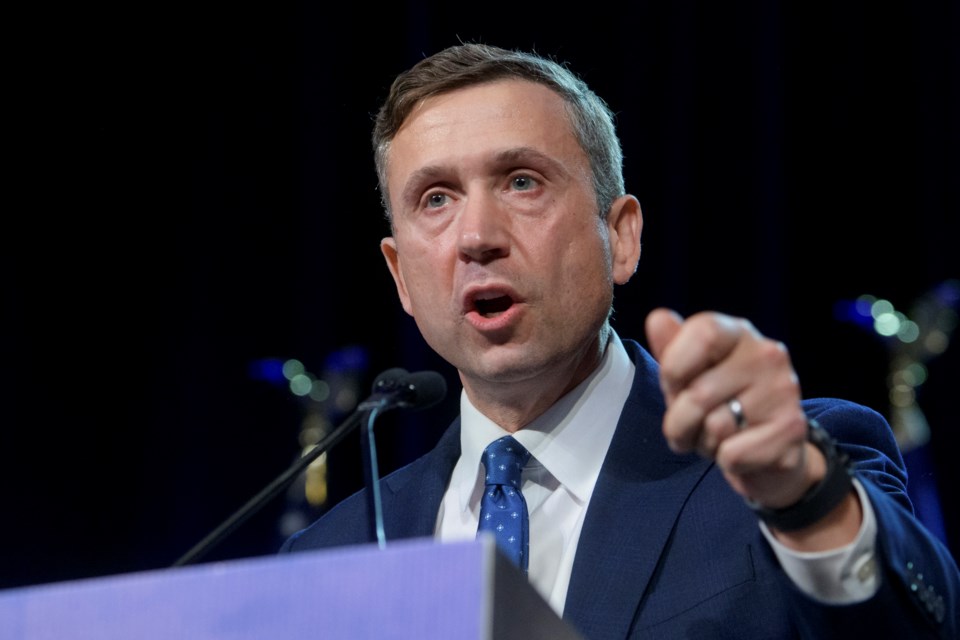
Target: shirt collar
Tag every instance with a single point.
(570, 439)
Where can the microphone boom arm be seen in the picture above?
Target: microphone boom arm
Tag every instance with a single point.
(392, 389)
(273, 489)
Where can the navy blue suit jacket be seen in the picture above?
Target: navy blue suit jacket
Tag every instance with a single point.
(668, 550)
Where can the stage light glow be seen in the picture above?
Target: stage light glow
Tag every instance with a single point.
(301, 384)
(909, 331)
(292, 368)
(886, 323)
(880, 307)
(863, 304)
(936, 342)
(902, 395)
(320, 391)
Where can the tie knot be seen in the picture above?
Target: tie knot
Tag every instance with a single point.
(504, 459)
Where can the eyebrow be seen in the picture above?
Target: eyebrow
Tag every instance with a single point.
(428, 173)
(528, 155)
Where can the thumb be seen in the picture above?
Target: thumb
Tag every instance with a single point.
(661, 326)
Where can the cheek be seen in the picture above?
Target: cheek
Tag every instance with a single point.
(586, 273)
(425, 273)
(587, 257)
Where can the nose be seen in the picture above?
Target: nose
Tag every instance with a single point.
(484, 231)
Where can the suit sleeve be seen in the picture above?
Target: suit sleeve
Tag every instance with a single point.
(919, 582)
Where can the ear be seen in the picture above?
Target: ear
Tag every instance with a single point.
(624, 224)
(388, 247)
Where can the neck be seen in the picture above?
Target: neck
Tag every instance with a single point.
(513, 404)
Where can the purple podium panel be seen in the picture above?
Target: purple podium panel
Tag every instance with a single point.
(419, 589)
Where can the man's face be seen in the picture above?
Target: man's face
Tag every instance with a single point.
(499, 252)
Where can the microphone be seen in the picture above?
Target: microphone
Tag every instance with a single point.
(393, 388)
(396, 388)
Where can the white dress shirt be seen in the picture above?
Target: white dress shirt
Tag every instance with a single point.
(568, 444)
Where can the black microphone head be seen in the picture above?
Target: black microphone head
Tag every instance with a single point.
(389, 379)
(423, 389)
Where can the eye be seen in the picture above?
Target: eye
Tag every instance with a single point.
(436, 199)
(522, 182)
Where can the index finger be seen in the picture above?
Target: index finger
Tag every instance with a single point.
(697, 344)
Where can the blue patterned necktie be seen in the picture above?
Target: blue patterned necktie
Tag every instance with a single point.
(502, 507)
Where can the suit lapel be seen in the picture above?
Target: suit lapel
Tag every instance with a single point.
(416, 492)
(639, 494)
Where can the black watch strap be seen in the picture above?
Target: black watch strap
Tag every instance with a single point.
(822, 497)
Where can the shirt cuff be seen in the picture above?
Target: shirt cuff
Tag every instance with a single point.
(839, 576)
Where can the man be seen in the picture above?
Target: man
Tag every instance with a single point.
(687, 493)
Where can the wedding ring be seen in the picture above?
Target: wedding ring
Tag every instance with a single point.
(736, 409)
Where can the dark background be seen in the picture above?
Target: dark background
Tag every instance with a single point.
(192, 196)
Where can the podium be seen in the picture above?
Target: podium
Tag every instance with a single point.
(409, 589)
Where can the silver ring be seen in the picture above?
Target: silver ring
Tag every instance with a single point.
(736, 409)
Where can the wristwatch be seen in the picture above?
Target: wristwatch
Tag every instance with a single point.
(822, 497)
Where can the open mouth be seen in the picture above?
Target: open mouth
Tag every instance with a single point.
(492, 307)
